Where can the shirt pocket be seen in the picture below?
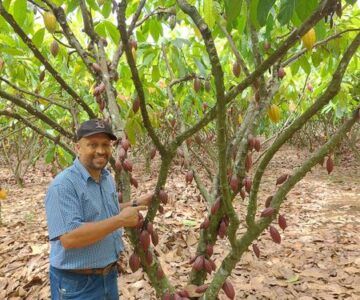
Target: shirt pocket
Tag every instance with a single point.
(92, 208)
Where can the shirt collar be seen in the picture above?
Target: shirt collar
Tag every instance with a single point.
(85, 173)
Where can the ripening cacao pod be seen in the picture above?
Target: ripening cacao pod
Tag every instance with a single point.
(136, 105)
(234, 183)
(133, 44)
(268, 201)
(281, 73)
(54, 48)
(50, 21)
(134, 182)
(257, 145)
(207, 85)
(309, 39)
(275, 235)
(202, 288)
(189, 176)
(42, 76)
(163, 196)
(207, 266)
(267, 212)
(212, 264)
(197, 85)
(198, 264)
(184, 294)
(101, 87)
(96, 67)
(120, 198)
(215, 207)
(150, 227)
(127, 165)
(205, 224)
(154, 237)
(167, 296)
(209, 250)
(248, 162)
(148, 258)
(251, 142)
(125, 144)
(274, 113)
(134, 262)
(122, 153)
(228, 289)
(152, 153)
(329, 165)
(144, 240)
(247, 183)
(160, 273)
(256, 250)
(282, 222)
(236, 69)
(222, 232)
(282, 179)
(118, 166)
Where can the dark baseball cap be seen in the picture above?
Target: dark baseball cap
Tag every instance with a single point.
(95, 126)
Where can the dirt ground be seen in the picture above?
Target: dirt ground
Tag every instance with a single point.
(318, 258)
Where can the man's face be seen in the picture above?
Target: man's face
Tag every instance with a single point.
(94, 151)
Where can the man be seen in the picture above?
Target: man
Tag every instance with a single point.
(84, 220)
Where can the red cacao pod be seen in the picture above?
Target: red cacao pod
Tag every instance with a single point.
(267, 212)
(134, 182)
(122, 153)
(256, 250)
(248, 162)
(257, 145)
(160, 273)
(118, 166)
(205, 224)
(150, 227)
(152, 153)
(236, 69)
(154, 237)
(198, 264)
(144, 240)
(228, 289)
(268, 201)
(251, 142)
(234, 183)
(202, 288)
(207, 266)
(127, 165)
(189, 176)
(282, 179)
(163, 196)
(275, 235)
(125, 144)
(197, 85)
(134, 262)
(329, 165)
(215, 207)
(282, 222)
(209, 250)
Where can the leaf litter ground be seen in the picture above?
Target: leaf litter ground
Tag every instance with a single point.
(318, 258)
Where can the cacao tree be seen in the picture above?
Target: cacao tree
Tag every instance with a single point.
(178, 77)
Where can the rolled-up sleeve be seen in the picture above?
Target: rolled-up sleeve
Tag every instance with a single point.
(63, 210)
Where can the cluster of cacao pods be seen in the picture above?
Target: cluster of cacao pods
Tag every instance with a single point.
(98, 90)
(254, 143)
(200, 263)
(122, 162)
(223, 227)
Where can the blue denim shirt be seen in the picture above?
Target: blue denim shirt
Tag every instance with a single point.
(74, 198)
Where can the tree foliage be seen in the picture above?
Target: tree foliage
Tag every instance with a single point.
(214, 72)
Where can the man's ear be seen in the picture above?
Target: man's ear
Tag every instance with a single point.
(77, 147)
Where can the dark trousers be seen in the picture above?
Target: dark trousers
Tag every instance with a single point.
(67, 285)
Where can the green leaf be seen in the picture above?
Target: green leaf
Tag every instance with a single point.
(191, 223)
(232, 10)
(209, 13)
(20, 11)
(131, 131)
(93, 4)
(106, 9)
(38, 37)
(263, 10)
(293, 278)
(11, 51)
(304, 8)
(100, 29)
(155, 29)
(351, 1)
(286, 11)
(294, 67)
(112, 31)
(72, 5)
(155, 75)
(305, 64)
(253, 13)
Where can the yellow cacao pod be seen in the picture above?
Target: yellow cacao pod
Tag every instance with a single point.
(309, 39)
(2, 194)
(274, 113)
(50, 21)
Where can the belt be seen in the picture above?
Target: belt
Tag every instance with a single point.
(94, 271)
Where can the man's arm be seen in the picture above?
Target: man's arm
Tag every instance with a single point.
(144, 200)
(90, 233)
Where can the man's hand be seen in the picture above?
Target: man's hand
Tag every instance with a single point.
(129, 216)
(145, 199)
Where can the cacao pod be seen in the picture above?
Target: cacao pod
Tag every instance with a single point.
(184, 294)
(213, 265)
(256, 250)
(54, 48)
(163, 196)
(282, 179)
(207, 85)
(282, 222)
(236, 69)
(101, 87)
(267, 212)
(275, 235)
(122, 153)
(197, 85)
(189, 176)
(49, 21)
(329, 165)
(267, 45)
(234, 183)
(281, 73)
(133, 44)
(160, 273)
(125, 144)
(177, 297)
(228, 289)
(215, 207)
(136, 105)
(274, 113)
(127, 165)
(144, 240)
(150, 227)
(167, 296)
(251, 142)
(248, 162)
(118, 166)
(207, 266)
(134, 262)
(96, 67)
(209, 250)
(247, 183)
(42, 76)
(148, 258)
(309, 39)
(154, 238)
(222, 232)
(268, 201)
(120, 198)
(205, 224)
(201, 289)
(198, 264)
(257, 145)
(134, 182)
